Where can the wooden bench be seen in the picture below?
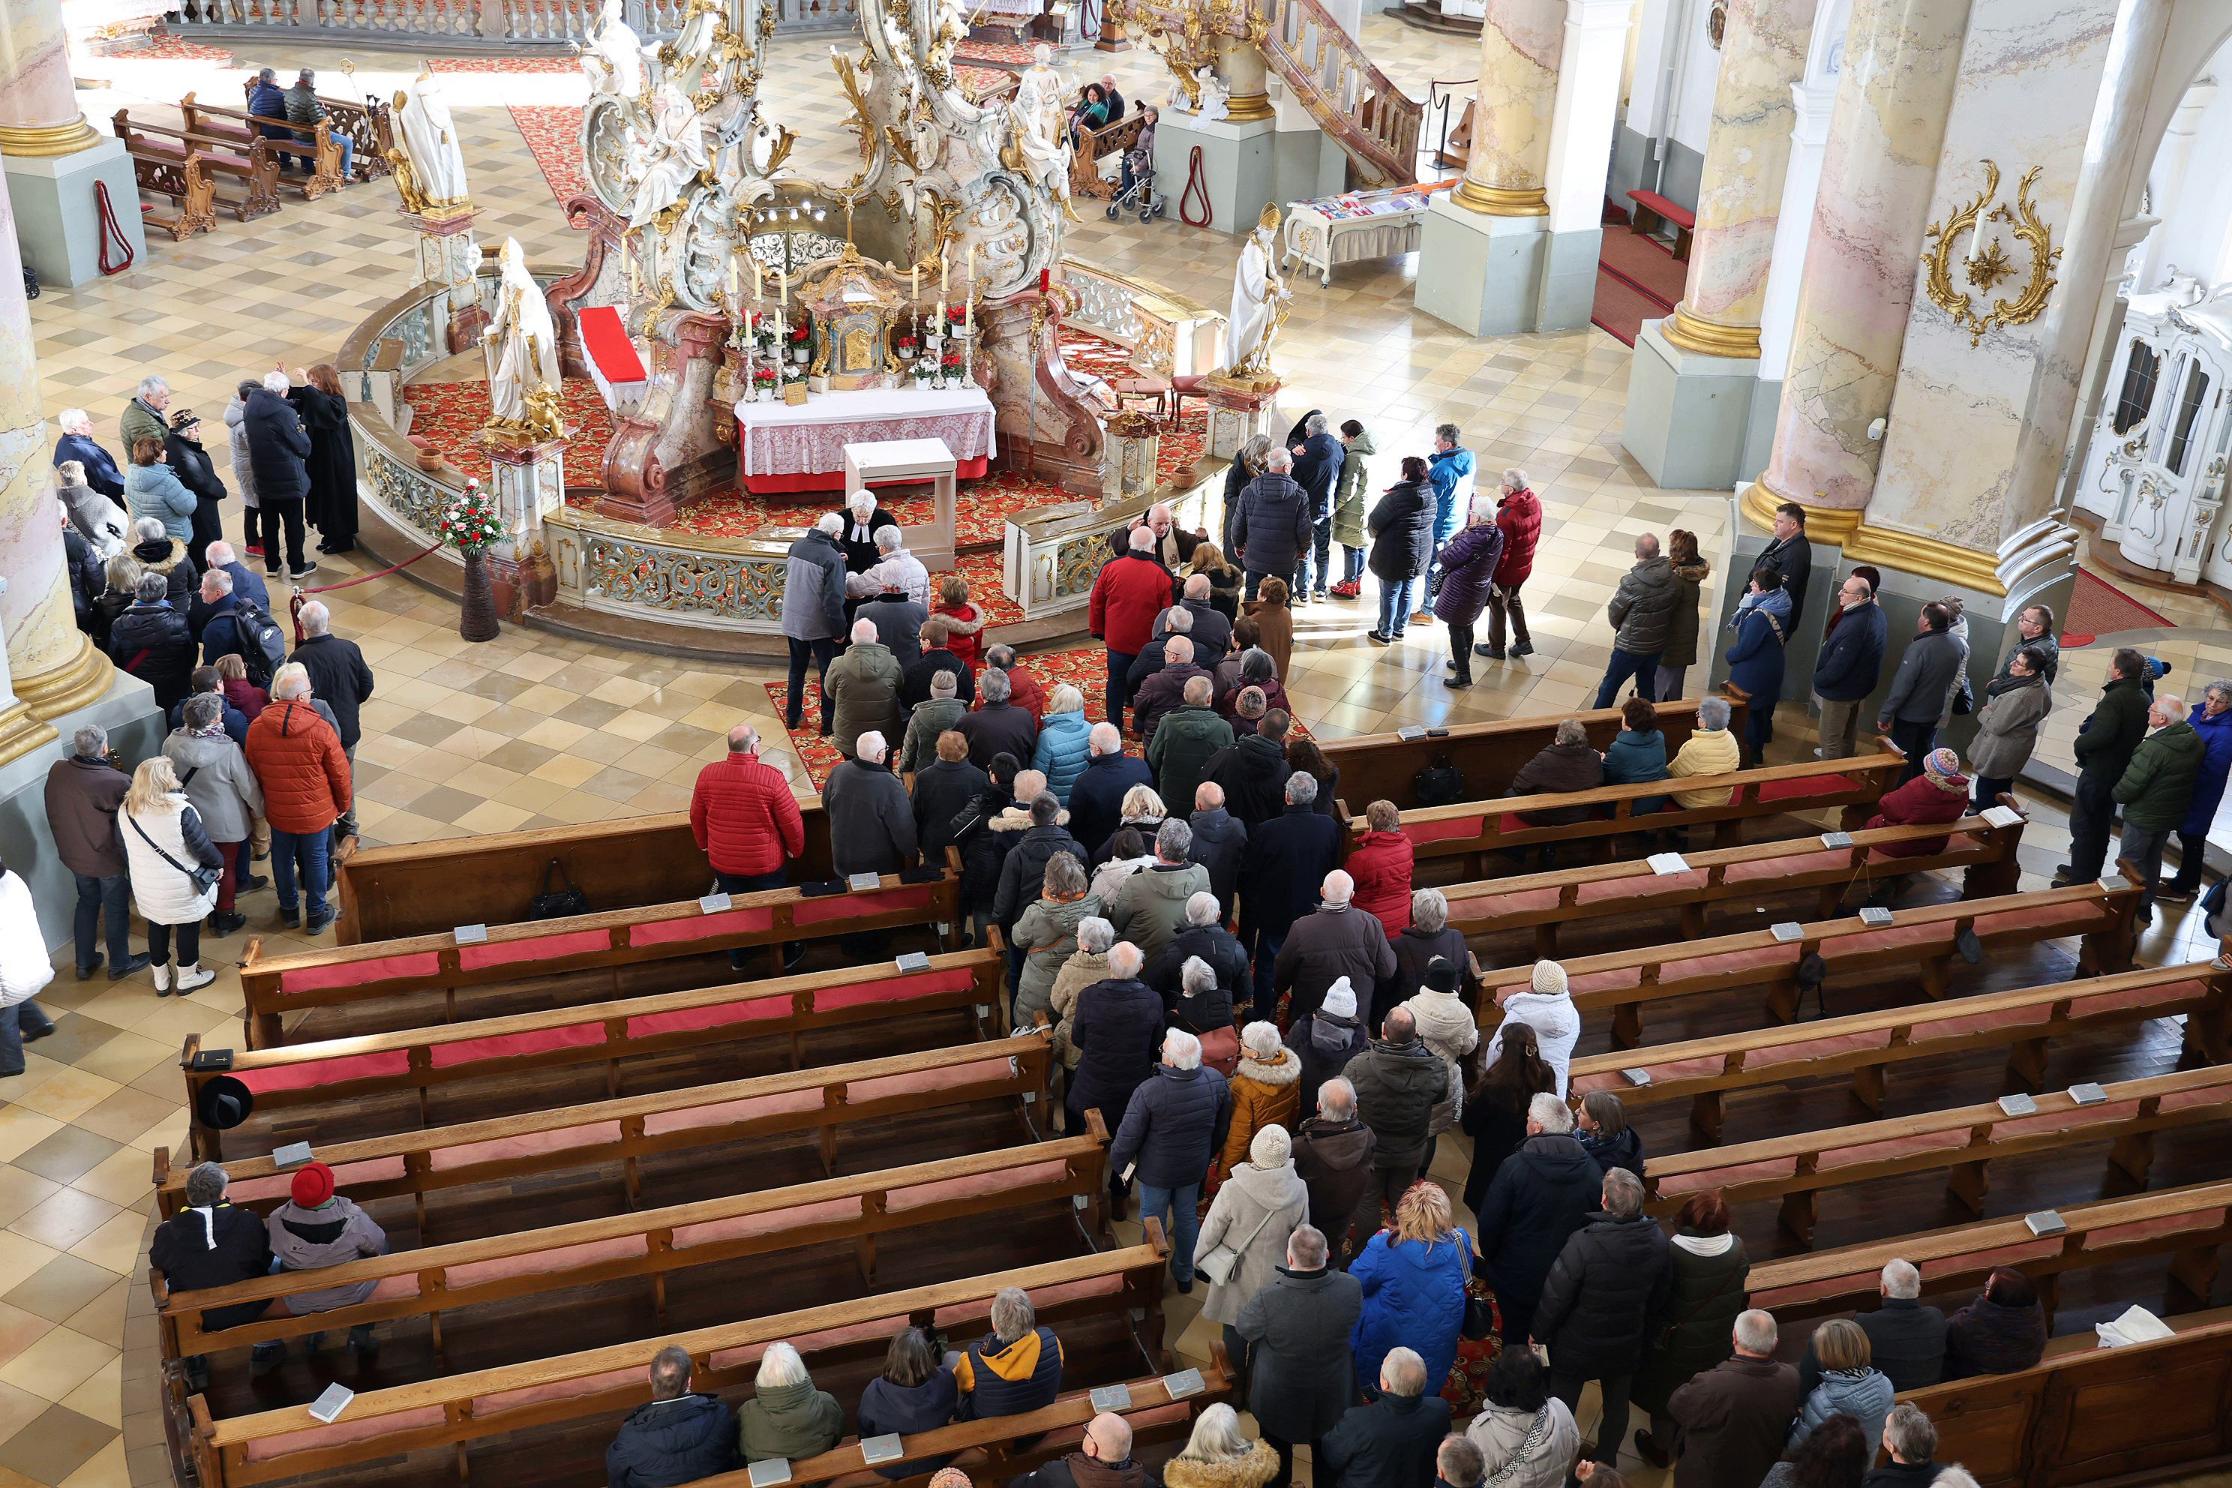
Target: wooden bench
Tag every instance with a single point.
(254, 166)
(844, 1215)
(2189, 1224)
(366, 120)
(1110, 139)
(394, 983)
(1384, 767)
(1960, 1141)
(1623, 983)
(598, 1386)
(628, 1133)
(1631, 891)
(193, 196)
(332, 1088)
(243, 129)
(2087, 1415)
(1652, 209)
(1477, 832)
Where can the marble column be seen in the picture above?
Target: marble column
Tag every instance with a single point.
(1763, 56)
(53, 665)
(1901, 64)
(1812, 103)
(1241, 69)
(38, 101)
(53, 156)
(1509, 159)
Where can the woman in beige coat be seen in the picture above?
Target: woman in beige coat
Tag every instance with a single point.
(1089, 965)
(1259, 1207)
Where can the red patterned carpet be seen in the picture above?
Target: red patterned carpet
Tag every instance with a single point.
(981, 83)
(448, 414)
(996, 53)
(2098, 608)
(980, 516)
(558, 64)
(553, 135)
(164, 47)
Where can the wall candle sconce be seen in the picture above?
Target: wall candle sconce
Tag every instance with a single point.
(1986, 265)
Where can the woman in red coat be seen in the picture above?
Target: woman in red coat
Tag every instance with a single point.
(1519, 514)
(1938, 794)
(1381, 864)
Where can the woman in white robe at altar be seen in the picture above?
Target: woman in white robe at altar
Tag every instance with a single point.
(1256, 291)
(521, 341)
(675, 156)
(430, 142)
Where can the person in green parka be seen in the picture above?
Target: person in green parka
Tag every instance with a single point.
(1348, 509)
(2155, 791)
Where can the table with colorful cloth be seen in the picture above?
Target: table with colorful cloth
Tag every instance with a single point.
(801, 446)
(1357, 224)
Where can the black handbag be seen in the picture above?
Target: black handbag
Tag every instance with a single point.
(559, 903)
(202, 877)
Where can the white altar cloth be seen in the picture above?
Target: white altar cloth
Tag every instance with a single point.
(786, 443)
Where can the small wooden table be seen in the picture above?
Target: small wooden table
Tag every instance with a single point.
(885, 461)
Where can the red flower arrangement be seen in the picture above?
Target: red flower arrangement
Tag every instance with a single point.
(956, 314)
(951, 361)
(906, 346)
(764, 376)
(799, 333)
(471, 525)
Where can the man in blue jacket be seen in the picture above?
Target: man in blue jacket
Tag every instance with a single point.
(1317, 466)
(77, 443)
(267, 100)
(1849, 665)
(1449, 470)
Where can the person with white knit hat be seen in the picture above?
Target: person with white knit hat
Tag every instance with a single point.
(1255, 1211)
(1548, 1009)
(1327, 1040)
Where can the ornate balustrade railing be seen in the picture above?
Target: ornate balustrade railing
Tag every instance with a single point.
(464, 25)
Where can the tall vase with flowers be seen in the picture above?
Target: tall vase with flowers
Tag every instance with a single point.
(472, 526)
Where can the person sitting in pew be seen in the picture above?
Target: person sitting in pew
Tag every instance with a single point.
(1846, 1382)
(317, 1228)
(2001, 1332)
(787, 1418)
(1601, 1127)
(208, 1244)
(914, 1393)
(1103, 1460)
(676, 1438)
(1835, 1456)
(1219, 1454)
(1567, 763)
(1906, 1337)
(1910, 1440)
(1939, 794)
(1709, 750)
(1014, 1369)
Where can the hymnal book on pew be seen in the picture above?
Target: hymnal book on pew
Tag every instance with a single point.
(1112, 1398)
(471, 934)
(769, 1471)
(1834, 840)
(2001, 816)
(293, 1155)
(914, 961)
(1185, 1382)
(1875, 916)
(1787, 931)
(2087, 1094)
(211, 1059)
(2045, 1222)
(1411, 732)
(879, 1449)
(714, 903)
(1665, 863)
(2018, 1105)
(1637, 1076)
(328, 1407)
(861, 883)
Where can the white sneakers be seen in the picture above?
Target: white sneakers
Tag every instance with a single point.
(161, 969)
(190, 977)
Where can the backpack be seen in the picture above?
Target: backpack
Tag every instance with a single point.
(263, 645)
(1439, 784)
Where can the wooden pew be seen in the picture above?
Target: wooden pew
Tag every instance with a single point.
(193, 196)
(1960, 1141)
(243, 129)
(1086, 181)
(1864, 1046)
(527, 1266)
(598, 1386)
(1012, 1445)
(634, 1131)
(1477, 832)
(2190, 1225)
(1629, 891)
(365, 120)
(254, 166)
(424, 888)
(2088, 1415)
(1623, 983)
(1384, 767)
(615, 952)
(297, 1087)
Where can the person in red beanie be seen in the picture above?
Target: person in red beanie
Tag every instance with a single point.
(317, 1228)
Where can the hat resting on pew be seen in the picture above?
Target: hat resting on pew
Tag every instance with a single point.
(1549, 979)
(1340, 999)
(313, 1185)
(224, 1103)
(1441, 975)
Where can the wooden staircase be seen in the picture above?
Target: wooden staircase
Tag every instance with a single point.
(1353, 101)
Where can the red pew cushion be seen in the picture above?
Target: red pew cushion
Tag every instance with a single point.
(342, 1432)
(1912, 1145)
(310, 1074)
(534, 948)
(722, 1113)
(1804, 786)
(1446, 830)
(2150, 1229)
(1767, 1169)
(527, 1144)
(485, 1406)
(766, 1222)
(512, 1045)
(714, 1015)
(972, 1185)
(848, 906)
(944, 1077)
(888, 988)
(359, 973)
(538, 1262)
(703, 926)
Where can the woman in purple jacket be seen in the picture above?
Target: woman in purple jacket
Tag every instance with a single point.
(1468, 564)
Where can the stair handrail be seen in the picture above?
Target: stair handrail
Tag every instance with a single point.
(1387, 137)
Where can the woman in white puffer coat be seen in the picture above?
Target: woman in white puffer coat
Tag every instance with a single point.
(25, 969)
(163, 842)
(244, 476)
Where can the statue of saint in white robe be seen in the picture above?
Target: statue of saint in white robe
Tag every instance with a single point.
(1041, 137)
(1255, 307)
(613, 60)
(430, 142)
(674, 156)
(521, 341)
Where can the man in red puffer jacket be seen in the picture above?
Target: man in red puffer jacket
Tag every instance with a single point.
(1127, 596)
(747, 822)
(297, 756)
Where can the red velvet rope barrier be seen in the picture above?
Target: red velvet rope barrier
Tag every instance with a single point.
(112, 232)
(301, 596)
(1196, 187)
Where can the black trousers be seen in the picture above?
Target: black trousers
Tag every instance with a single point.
(189, 943)
(1461, 650)
(1284, 1477)
(2092, 817)
(2191, 845)
(1612, 1430)
(1503, 605)
(271, 518)
(1914, 741)
(822, 653)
